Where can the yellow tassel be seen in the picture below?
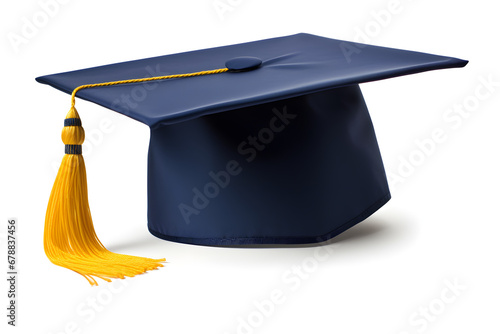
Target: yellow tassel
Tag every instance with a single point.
(69, 237)
(70, 240)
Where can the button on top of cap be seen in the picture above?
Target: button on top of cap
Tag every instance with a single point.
(241, 64)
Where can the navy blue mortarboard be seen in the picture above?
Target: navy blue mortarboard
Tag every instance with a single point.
(267, 142)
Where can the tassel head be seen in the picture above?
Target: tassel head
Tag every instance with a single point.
(73, 132)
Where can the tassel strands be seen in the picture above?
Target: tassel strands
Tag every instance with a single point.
(70, 240)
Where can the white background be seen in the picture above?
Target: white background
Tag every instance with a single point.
(441, 228)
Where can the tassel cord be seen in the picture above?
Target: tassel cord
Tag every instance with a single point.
(70, 240)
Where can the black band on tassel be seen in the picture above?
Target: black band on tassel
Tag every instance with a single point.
(72, 122)
(73, 149)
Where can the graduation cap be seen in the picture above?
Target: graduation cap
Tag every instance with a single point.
(267, 142)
